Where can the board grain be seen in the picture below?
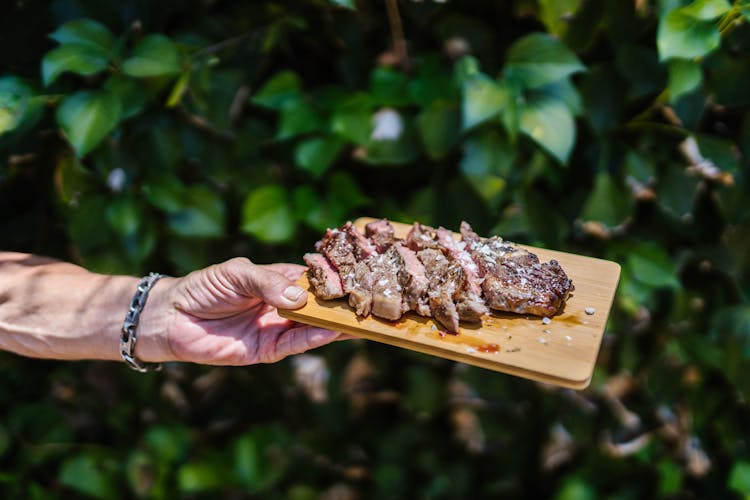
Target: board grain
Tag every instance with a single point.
(562, 352)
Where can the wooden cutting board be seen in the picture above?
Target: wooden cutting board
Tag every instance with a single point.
(562, 352)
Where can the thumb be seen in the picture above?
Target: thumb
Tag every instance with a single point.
(272, 287)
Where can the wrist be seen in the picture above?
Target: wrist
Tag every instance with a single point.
(152, 345)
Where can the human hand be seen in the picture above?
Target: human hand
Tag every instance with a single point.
(226, 314)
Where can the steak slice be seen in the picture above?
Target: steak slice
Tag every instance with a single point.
(324, 279)
(387, 297)
(360, 296)
(363, 248)
(413, 280)
(381, 233)
(442, 278)
(339, 251)
(347, 249)
(421, 237)
(468, 294)
(514, 279)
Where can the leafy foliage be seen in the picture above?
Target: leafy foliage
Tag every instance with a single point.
(139, 136)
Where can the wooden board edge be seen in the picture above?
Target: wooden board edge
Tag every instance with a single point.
(404, 343)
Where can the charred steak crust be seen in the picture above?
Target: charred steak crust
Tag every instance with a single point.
(432, 274)
(514, 280)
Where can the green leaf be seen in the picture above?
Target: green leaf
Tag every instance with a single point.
(670, 478)
(84, 32)
(487, 161)
(388, 87)
(297, 117)
(125, 216)
(136, 230)
(131, 92)
(346, 192)
(16, 103)
(608, 202)
(439, 126)
(155, 55)
(649, 264)
(87, 117)
(482, 98)
(199, 477)
(84, 474)
(75, 58)
(539, 59)
(576, 488)
(556, 14)
(352, 119)
(202, 214)
(706, 10)
(739, 478)
(266, 214)
(276, 91)
(89, 227)
(549, 123)
(315, 155)
(166, 193)
(686, 37)
(745, 11)
(566, 92)
(168, 444)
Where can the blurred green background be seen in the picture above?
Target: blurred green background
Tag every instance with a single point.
(138, 136)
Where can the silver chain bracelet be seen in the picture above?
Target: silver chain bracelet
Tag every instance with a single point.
(129, 336)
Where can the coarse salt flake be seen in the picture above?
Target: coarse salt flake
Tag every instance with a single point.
(589, 310)
(546, 320)
(542, 340)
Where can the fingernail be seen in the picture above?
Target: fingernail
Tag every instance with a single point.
(293, 293)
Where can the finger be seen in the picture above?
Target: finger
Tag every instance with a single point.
(291, 271)
(272, 287)
(304, 338)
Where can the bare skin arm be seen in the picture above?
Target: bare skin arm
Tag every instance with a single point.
(221, 315)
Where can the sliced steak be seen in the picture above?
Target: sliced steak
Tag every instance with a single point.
(337, 248)
(363, 248)
(468, 294)
(387, 297)
(413, 280)
(381, 233)
(347, 250)
(513, 278)
(442, 279)
(469, 237)
(421, 237)
(360, 295)
(324, 279)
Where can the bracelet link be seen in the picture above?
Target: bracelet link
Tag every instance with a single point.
(129, 326)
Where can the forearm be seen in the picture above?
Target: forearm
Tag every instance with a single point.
(51, 309)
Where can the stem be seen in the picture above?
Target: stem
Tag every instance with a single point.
(229, 42)
(397, 32)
